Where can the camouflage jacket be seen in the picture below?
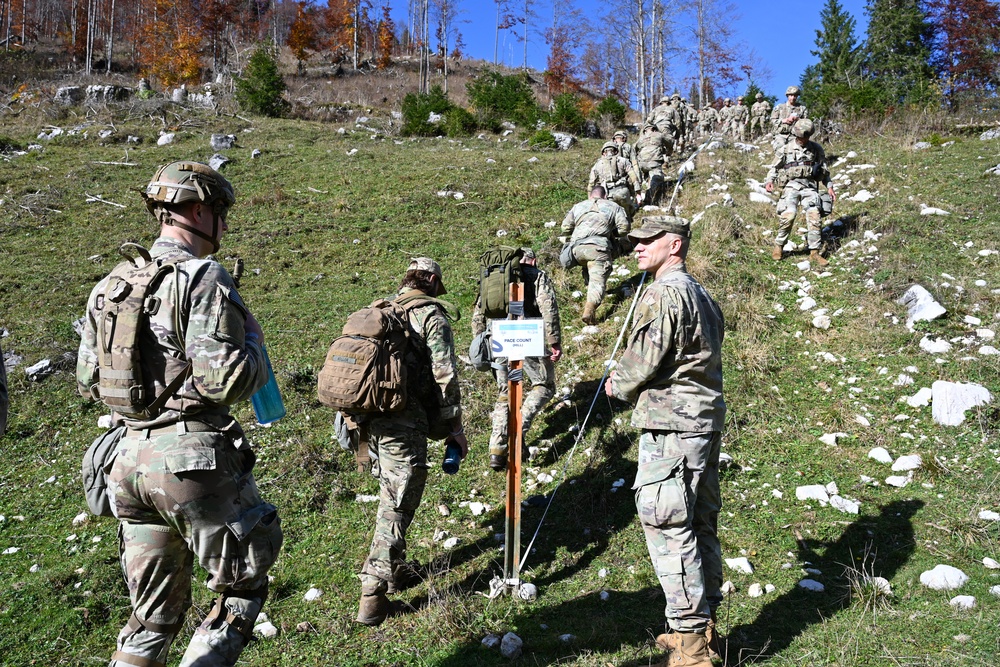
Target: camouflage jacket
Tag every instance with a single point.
(783, 111)
(539, 301)
(432, 371)
(613, 172)
(651, 149)
(760, 109)
(708, 116)
(725, 114)
(226, 367)
(4, 397)
(740, 113)
(594, 219)
(690, 115)
(666, 118)
(672, 369)
(804, 167)
(679, 114)
(627, 152)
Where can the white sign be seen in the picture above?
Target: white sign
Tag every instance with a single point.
(518, 339)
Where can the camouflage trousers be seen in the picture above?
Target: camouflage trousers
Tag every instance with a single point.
(541, 372)
(678, 499)
(792, 199)
(758, 125)
(183, 497)
(596, 263)
(402, 476)
(652, 180)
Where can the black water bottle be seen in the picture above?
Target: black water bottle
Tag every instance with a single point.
(452, 458)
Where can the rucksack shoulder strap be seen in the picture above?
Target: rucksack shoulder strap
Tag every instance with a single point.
(416, 299)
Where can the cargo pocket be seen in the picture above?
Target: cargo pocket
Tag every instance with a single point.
(660, 494)
(670, 572)
(190, 452)
(258, 541)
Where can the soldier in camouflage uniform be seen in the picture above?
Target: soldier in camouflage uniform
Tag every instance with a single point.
(707, 119)
(799, 169)
(726, 117)
(681, 119)
(596, 225)
(618, 178)
(182, 484)
(759, 114)
(400, 438)
(739, 122)
(539, 301)
(664, 116)
(690, 122)
(651, 153)
(785, 115)
(672, 372)
(4, 397)
(625, 149)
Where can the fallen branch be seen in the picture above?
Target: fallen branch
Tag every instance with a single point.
(121, 164)
(93, 198)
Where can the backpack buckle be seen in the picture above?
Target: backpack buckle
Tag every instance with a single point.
(137, 394)
(151, 305)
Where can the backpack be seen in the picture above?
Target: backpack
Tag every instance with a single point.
(498, 268)
(97, 462)
(124, 310)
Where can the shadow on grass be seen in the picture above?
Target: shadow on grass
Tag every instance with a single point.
(886, 537)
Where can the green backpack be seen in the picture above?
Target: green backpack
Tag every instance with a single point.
(498, 268)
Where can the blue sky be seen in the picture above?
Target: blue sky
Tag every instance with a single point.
(781, 32)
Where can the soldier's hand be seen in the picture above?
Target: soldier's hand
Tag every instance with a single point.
(462, 442)
(252, 326)
(556, 353)
(608, 384)
(769, 186)
(833, 195)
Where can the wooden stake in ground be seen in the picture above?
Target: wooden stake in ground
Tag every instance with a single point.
(515, 388)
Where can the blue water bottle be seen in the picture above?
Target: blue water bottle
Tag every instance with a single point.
(452, 458)
(267, 403)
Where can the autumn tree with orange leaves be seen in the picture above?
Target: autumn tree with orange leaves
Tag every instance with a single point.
(302, 35)
(169, 50)
(385, 39)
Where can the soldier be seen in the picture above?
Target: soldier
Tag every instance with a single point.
(665, 117)
(181, 484)
(707, 120)
(785, 115)
(595, 225)
(539, 301)
(400, 438)
(618, 176)
(625, 149)
(4, 398)
(681, 120)
(672, 372)
(726, 117)
(759, 113)
(799, 168)
(651, 152)
(739, 122)
(690, 122)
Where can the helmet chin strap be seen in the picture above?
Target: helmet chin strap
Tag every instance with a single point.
(167, 219)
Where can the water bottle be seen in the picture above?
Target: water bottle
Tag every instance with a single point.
(267, 403)
(452, 458)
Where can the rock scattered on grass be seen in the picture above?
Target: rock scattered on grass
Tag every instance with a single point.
(312, 594)
(944, 578)
(908, 462)
(880, 454)
(990, 564)
(165, 139)
(740, 565)
(951, 400)
(934, 345)
(812, 585)
(491, 641)
(898, 481)
(989, 515)
(511, 646)
(266, 630)
(812, 492)
(963, 602)
(920, 306)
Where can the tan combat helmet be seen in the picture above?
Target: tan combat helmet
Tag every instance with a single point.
(759, 96)
(620, 133)
(792, 90)
(189, 182)
(609, 144)
(803, 128)
(727, 101)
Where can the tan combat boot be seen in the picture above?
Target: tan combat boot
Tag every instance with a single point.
(374, 608)
(715, 651)
(687, 649)
(590, 313)
(815, 257)
(776, 253)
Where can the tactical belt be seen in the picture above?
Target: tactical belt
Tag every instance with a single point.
(801, 163)
(179, 427)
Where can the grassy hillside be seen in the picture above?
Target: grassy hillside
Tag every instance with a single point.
(324, 230)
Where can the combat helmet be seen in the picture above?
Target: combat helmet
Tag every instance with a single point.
(609, 144)
(759, 96)
(792, 90)
(803, 127)
(186, 181)
(620, 133)
(664, 99)
(675, 96)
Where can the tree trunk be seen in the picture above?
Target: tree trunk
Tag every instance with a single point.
(110, 50)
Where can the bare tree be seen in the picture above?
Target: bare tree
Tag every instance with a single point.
(712, 32)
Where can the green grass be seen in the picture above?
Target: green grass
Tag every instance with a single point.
(301, 207)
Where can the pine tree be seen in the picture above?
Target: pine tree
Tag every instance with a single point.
(260, 90)
(829, 83)
(897, 53)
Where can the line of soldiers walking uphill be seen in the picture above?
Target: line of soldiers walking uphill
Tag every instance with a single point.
(169, 345)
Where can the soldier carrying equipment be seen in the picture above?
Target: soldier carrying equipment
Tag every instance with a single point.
(498, 268)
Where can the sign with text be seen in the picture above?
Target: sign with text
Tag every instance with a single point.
(518, 339)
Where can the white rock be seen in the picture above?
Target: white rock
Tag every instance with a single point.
(930, 210)
(963, 602)
(312, 594)
(605, 595)
(755, 591)
(777, 494)
(920, 306)
(908, 462)
(812, 585)
(440, 535)
(821, 322)
(934, 345)
(728, 588)
(265, 629)
(452, 542)
(881, 584)
(759, 198)
(861, 419)
(81, 518)
(807, 303)
(567, 638)
(11, 550)
(898, 481)
(986, 334)
(903, 381)
(477, 508)
(34, 568)
(165, 139)
(365, 498)
(831, 438)
(862, 196)
(988, 351)
(511, 646)
(952, 399)
(995, 590)
(991, 564)
(577, 294)
(880, 454)
(988, 515)
(921, 398)
(527, 592)
(590, 330)
(532, 160)
(491, 641)
(803, 265)
(812, 492)
(944, 578)
(352, 152)
(443, 510)
(845, 505)
(832, 489)
(740, 565)
(769, 588)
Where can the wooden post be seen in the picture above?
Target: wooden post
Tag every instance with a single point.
(515, 388)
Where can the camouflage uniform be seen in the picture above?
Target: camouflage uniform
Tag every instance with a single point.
(665, 117)
(627, 152)
(803, 168)
(672, 371)
(4, 398)
(681, 119)
(782, 130)
(759, 113)
(707, 119)
(739, 121)
(182, 483)
(619, 179)
(539, 301)
(690, 122)
(651, 152)
(400, 439)
(595, 225)
(726, 117)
